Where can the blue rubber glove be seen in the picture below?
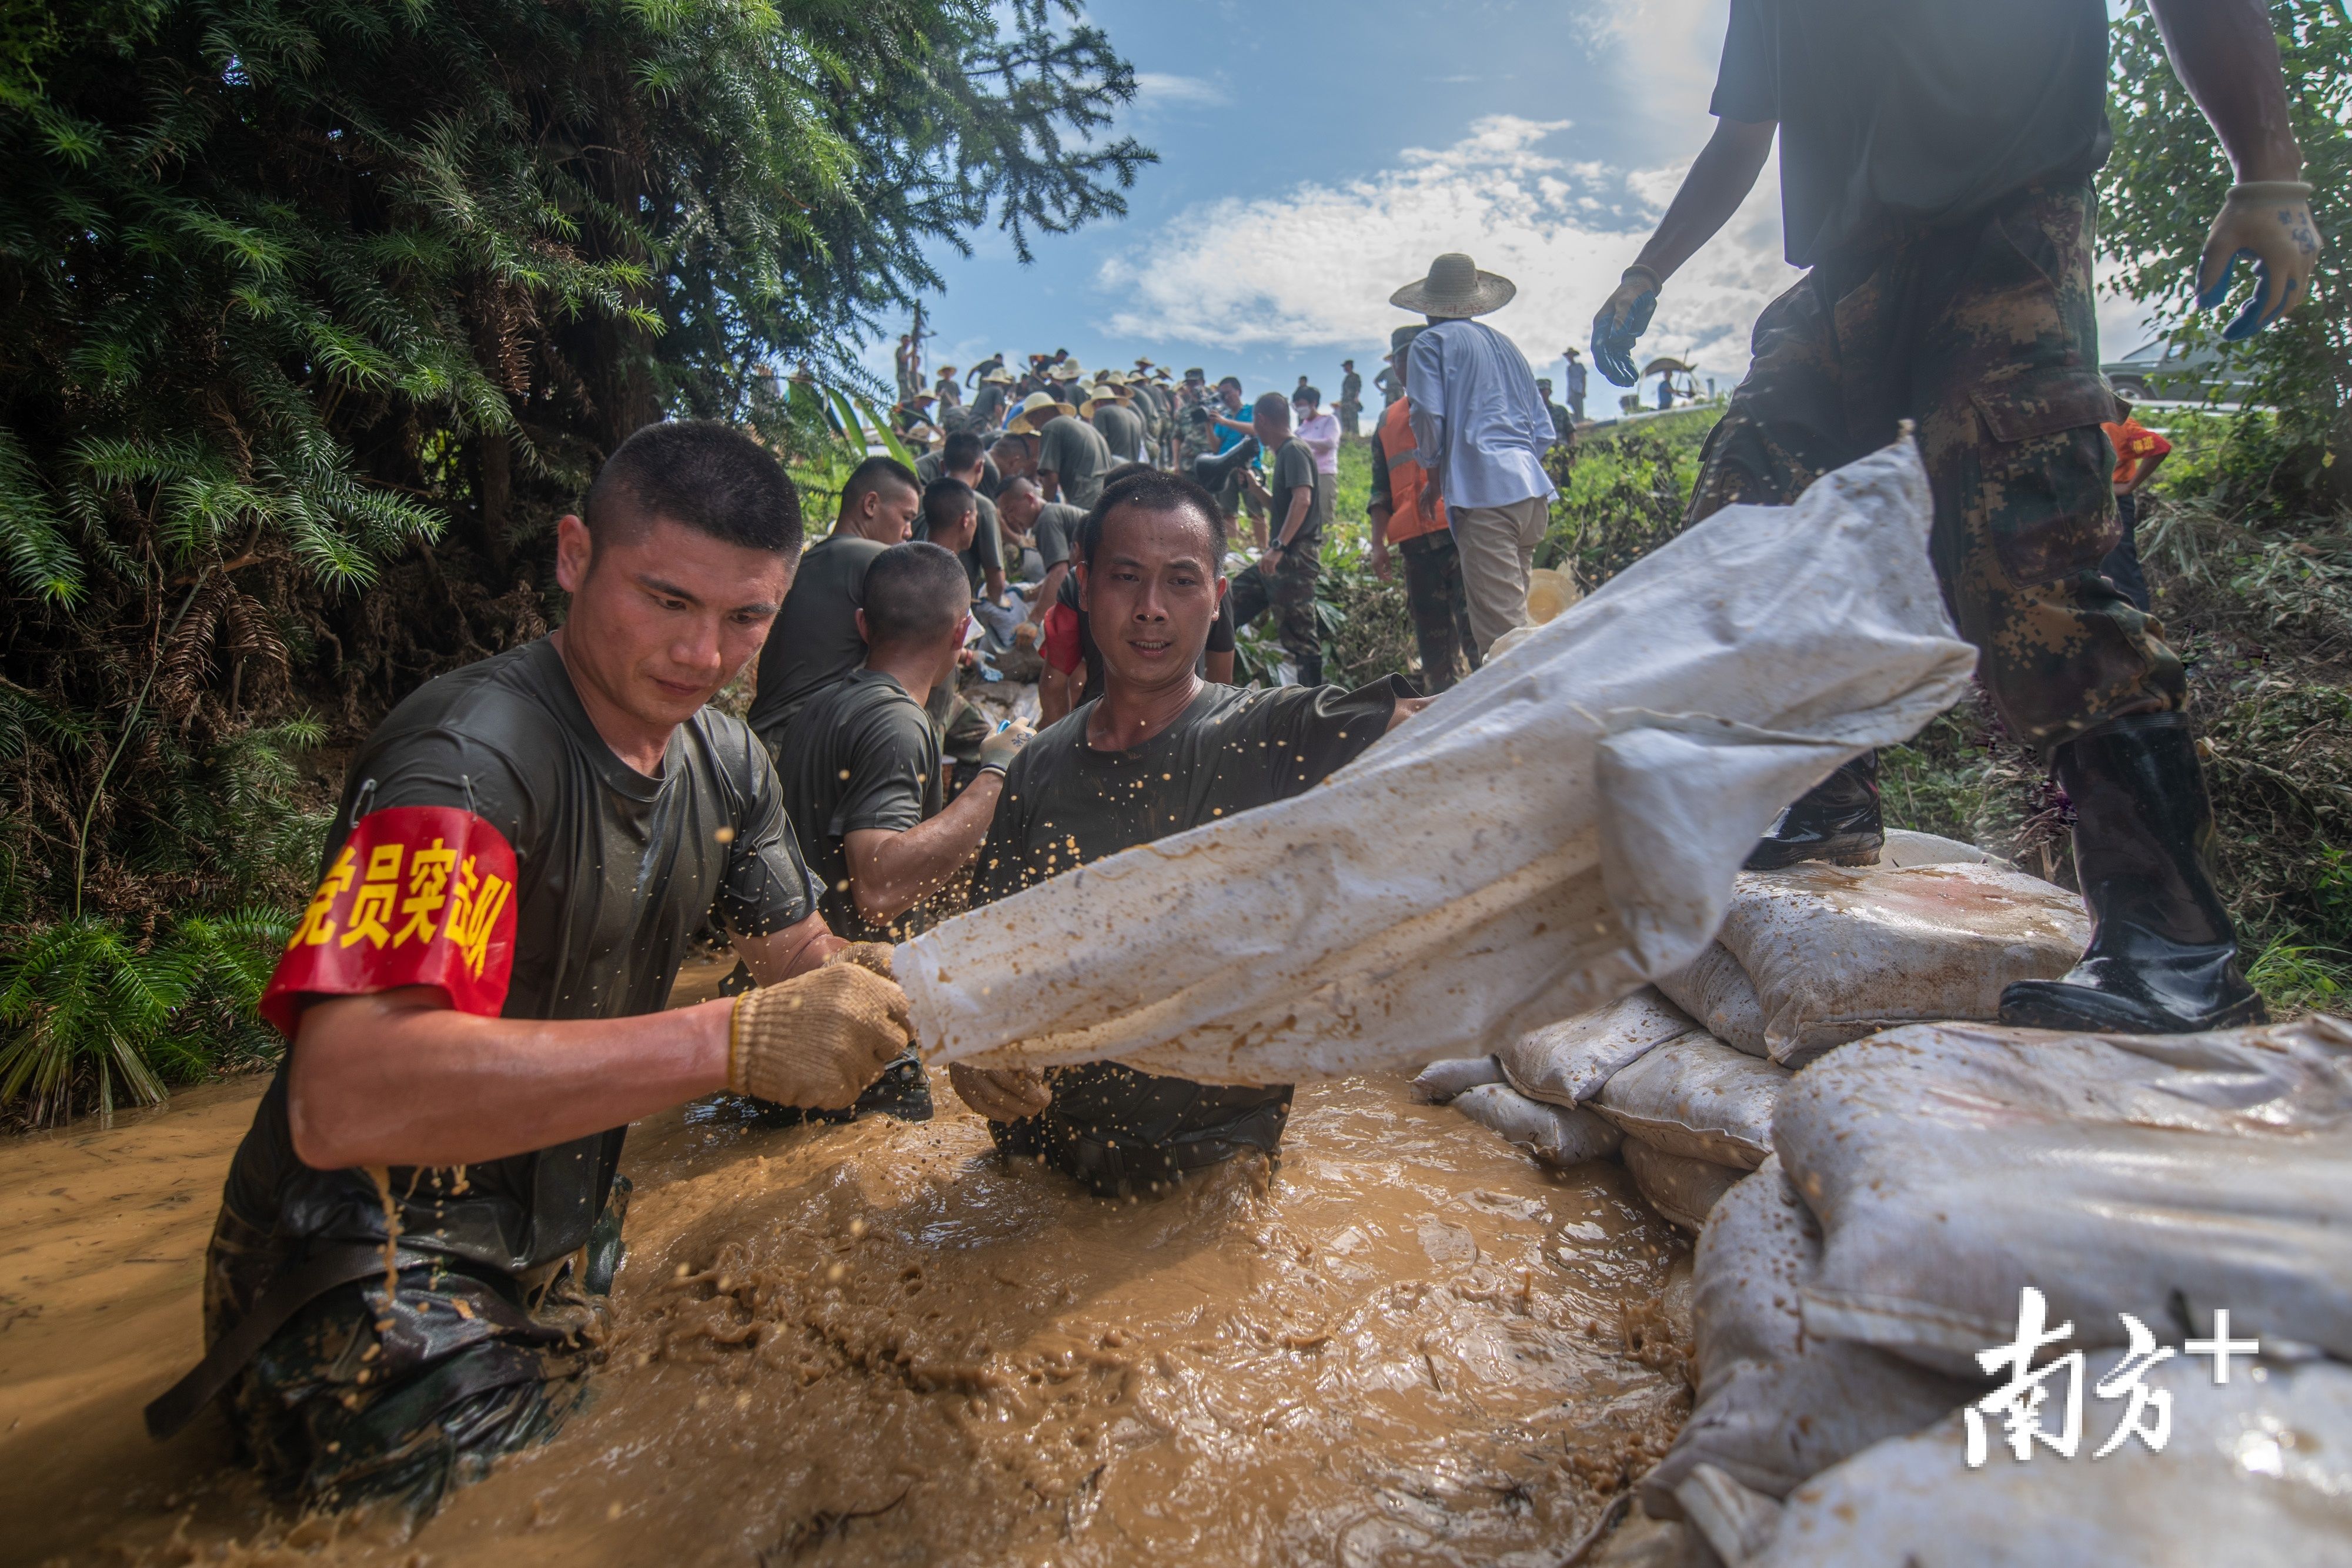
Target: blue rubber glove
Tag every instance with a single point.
(1621, 322)
(2268, 221)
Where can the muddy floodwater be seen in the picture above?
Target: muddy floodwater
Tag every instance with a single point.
(881, 1343)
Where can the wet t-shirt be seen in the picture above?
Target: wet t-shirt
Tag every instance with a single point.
(1056, 531)
(1122, 431)
(1916, 111)
(1076, 454)
(814, 641)
(1066, 805)
(615, 872)
(983, 555)
(863, 754)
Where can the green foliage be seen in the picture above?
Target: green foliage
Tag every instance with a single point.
(1625, 496)
(2166, 179)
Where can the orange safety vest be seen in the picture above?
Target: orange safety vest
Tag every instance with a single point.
(1406, 476)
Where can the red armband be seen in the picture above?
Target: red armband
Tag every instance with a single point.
(418, 896)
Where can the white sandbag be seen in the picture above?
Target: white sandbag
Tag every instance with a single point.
(1566, 1063)
(1718, 992)
(1556, 1136)
(1835, 954)
(1549, 834)
(1442, 1080)
(1952, 1165)
(2252, 1472)
(1685, 1191)
(1773, 1407)
(1696, 1097)
(1905, 848)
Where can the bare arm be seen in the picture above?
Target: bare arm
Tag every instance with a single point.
(1720, 178)
(2148, 468)
(992, 579)
(889, 871)
(400, 1078)
(1049, 590)
(1377, 514)
(2227, 56)
(1406, 708)
(794, 950)
(1057, 692)
(1049, 484)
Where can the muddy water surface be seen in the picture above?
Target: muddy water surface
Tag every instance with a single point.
(880, 1343)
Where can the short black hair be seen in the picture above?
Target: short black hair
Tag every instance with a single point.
(1011, 438)
(1309, 394)
(945, 500)
(1154, 490)
(872, 474)
(710, 476)
(960, 452)
(1270, 405)
(1232, 382)
(914, 592)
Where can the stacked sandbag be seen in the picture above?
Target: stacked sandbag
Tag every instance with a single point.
(1440, 1082)
(1815, 955)
(1553, 1134)
(1952, 1165)
(1774, 1406)
(2258, 1469)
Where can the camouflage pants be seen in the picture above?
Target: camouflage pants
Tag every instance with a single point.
(360, 1396)
(1434, 596)
(1290, 593)
(1985, 335)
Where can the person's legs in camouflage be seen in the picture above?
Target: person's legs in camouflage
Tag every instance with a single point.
(1440, 610)
(1289, 592)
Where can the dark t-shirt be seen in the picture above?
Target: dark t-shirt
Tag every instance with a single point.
(986, 552)
(615, 874)
(862, 754)
(1122, 431)
(1293, 466)
(1056, 531)
(1915, 110)
(814, 641)
(1066, 805)
(1074, 453)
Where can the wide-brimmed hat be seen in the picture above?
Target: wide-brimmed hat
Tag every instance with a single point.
(1160, 374)
(1455, 289)
(1571, 351)
(947, 369)
(999, 376)
(1112, 379)
(1068, 371)
(1037, 410)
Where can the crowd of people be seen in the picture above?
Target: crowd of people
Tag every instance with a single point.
(526, 848)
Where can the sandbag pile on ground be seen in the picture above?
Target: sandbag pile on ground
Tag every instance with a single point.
(1549, 834)
(1922, 1179)
(1815, 955)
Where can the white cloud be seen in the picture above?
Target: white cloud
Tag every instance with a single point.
(1312, 267)
(1161, 89)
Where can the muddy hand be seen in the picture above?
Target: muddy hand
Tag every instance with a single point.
(1000, 1093)
(873, 955)
(816, 1040)
(2268, 221)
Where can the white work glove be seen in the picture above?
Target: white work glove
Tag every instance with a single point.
(1000, 1093)
(818, 1038)
(2270, 222)
(997, 752)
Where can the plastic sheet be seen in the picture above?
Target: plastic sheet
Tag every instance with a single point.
(1551, 833)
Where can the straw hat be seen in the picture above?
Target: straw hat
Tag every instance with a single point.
(1455, 290)
(999, 377)
(1037, 411)
(1112, 379)
(1068, 371)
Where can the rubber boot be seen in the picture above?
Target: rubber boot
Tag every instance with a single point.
(1836, 821)
(2163, 957)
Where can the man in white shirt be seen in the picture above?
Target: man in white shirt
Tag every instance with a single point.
(1481, 429)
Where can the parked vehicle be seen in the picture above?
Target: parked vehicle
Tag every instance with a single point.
(2175, 373)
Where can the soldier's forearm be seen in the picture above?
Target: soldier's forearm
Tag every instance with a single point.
(1720, 178)
(399, 1078)
(2226, 55)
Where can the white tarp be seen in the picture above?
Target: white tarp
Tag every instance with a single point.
(1549, 834)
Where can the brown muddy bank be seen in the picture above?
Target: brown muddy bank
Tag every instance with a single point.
(880, 1343)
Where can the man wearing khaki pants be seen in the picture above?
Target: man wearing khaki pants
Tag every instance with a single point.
(1481, 429)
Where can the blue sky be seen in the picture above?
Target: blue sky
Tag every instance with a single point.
(1315, 155)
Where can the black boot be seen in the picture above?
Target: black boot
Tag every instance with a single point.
(2163, 957)
(1836, 821)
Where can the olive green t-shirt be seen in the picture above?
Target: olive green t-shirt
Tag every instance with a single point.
(1056, 532)
(814, 641)
(1294, 469)
(1122, 431)
(861, 754)
(986, 552)
(1074, 453)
